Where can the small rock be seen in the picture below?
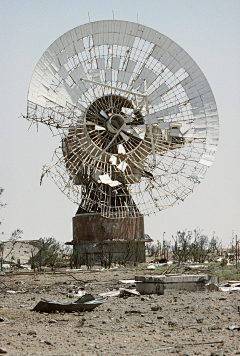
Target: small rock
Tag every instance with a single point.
(217, 353)
(71, 295)
(48, 342)
(1, 319)
(149, 322)
(52, 321)
(3, 351)
(172, 322)
(199, 320)
(155, 307)
(214, 327)
(31, 332)
(160, 317)
(80, 322)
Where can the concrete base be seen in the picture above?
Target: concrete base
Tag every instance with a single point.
(164, 284)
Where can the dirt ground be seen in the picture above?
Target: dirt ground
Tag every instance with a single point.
(121, 326)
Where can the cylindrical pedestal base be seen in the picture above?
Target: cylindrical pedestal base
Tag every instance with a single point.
(98, 239)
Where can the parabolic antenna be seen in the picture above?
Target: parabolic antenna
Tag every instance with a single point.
(136, 116)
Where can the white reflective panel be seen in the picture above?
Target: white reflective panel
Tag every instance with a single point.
(73, 35)
(77, 74)
(189, 134)
(211, 147)
(99, 128)
(158, 52)
(71, 51)
(130, 66)
(172, 110)
(206, 160)
(101, 63)
(121, 75)
(94, 72)
(200, 133)
(175, 132)
(79, 32)
(105, 179)
(104, 114)
(213, 133)
(128, 40)
(113, 160)
(124, 77)
(174, 66)
(200, 123)
(118, 38)
(124, 136)
(115, 63)
(137, 82)
(158, 92)
(184, 128)
(108, 75)
(63, 72)
(114, 183)
(64, 40)
(127, 111)
(166, 59)
(154, 120)
(164, 125)
(79, 46)
(59, 44)
(174, 49)
(122, 166)
(139, 131)
(121, 149)
(148, 75)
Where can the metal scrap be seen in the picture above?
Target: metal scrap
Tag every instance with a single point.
(85, 303)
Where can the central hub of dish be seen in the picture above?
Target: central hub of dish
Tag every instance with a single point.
(115, 122)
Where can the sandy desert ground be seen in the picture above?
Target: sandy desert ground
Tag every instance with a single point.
(184, 323)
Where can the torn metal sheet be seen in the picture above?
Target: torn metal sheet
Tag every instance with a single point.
(85, 303)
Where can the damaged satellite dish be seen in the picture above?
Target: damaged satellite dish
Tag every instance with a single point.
(137, 119)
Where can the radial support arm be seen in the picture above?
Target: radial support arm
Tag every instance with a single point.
(111, 87)
(149, 122)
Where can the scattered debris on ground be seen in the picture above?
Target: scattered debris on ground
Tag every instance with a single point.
(180, 322)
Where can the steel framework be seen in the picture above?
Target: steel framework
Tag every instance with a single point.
(137, 119)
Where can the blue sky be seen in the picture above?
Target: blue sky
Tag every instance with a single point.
(207, 29)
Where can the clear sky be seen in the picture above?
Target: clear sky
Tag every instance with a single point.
(207, 29)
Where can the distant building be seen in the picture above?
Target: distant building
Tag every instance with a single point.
(20, 251)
